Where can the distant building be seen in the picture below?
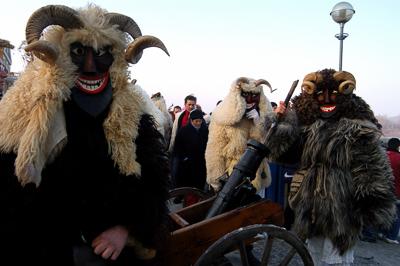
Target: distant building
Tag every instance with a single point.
(5, 64)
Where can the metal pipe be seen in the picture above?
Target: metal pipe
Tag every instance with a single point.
(341, 38)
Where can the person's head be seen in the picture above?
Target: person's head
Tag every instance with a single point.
(177, 109)
(190, 103)
(196, 118)
(329, 90)
(90, 47)
(393, 144)
(251, 91)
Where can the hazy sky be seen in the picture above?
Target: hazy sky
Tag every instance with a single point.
(214, 42)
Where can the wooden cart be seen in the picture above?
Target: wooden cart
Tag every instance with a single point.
(196, 240)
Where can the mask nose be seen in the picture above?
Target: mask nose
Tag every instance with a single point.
(89, 65)
(249, 99)
(326, 96)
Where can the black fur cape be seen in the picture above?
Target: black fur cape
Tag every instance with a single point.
(82, 194)
(348, 181)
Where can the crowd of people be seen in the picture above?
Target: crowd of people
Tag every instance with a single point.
(85, 167)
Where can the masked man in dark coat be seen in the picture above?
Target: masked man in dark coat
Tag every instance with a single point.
(83, 169)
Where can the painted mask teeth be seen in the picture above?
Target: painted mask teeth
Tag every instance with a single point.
(328, 109)
(250, 105)
(90, 85)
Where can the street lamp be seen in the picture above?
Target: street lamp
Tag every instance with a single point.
(341, 13)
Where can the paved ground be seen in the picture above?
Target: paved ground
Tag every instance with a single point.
(366, 254)
(379, 253)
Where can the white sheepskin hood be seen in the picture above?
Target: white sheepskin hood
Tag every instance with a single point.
(232, 109)
(31, 117)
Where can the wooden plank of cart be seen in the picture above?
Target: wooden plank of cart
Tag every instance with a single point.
(191, 234)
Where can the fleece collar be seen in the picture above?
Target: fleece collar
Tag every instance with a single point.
(34, 128)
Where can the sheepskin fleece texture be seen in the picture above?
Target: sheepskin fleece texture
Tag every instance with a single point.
(166, 117)
(31, 107)
(348, 182)
(150, 108)
(229, 132)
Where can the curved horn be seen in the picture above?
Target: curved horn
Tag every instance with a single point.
(6, 44)
(135, 49)
(308, 85)
(263, 81)
(125, 23)
(45, 51)
(49, 15)
(241, 80)
(347, 81)
(156, 95)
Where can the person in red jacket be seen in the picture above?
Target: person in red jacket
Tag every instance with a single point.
(394, 158)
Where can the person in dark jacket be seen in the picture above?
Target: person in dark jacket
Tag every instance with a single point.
(190, 145)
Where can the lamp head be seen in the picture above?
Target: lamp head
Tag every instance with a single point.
(342, 12)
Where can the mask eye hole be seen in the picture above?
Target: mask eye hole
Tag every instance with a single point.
(245, 94)
(102, 51)
(78, 51)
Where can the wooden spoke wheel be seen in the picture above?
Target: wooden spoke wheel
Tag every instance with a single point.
(257, 245)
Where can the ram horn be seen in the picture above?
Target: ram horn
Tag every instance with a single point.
(241, 80)
(125, 23)
(308, 85)
(263, 81)
(135, 49)
(347, 82)
(49, 15)
(45, 51)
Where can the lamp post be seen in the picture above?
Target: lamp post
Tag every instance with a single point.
(341, 13)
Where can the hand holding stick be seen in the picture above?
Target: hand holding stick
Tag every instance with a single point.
(281, 110)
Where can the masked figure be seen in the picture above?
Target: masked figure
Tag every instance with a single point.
(166, 119)
(238, 118)
(82, 164)
(343, 182)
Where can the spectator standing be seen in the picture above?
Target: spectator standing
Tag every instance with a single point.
(189, 149)
(181, 119)
(177, 109)
(393, 153)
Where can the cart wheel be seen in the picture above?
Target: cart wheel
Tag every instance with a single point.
(270, 245)
(175, 197)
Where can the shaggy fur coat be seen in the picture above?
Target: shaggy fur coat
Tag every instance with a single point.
(229, 132)
(347, 181)
(63, 173)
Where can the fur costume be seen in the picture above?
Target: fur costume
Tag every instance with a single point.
(152, 108)
(229, 132)
(344, 181)
(38, 135)
(167, 123)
